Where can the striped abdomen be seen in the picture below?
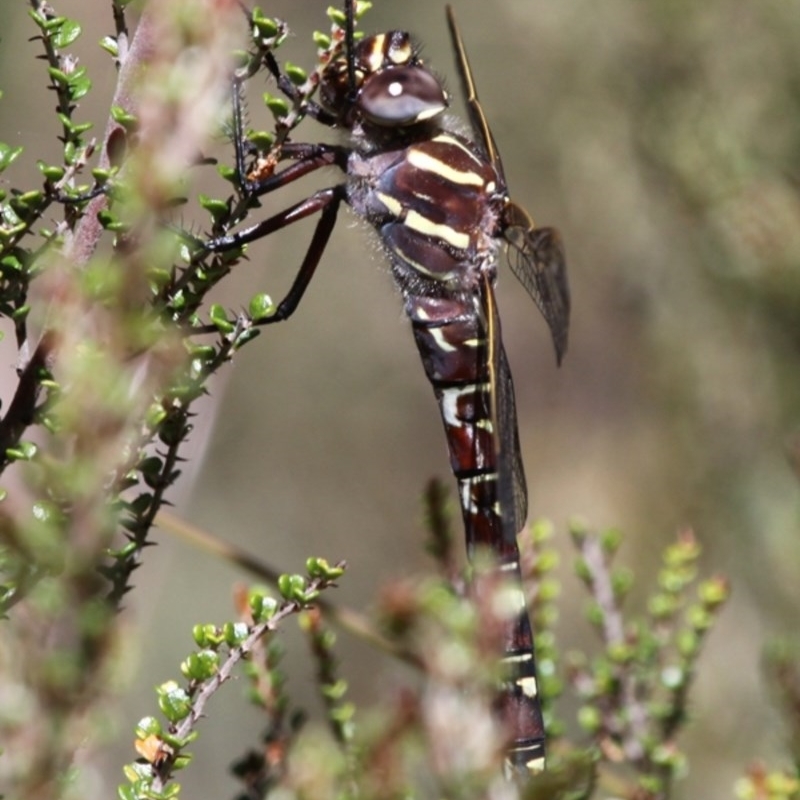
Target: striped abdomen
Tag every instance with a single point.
(435, 205)
(452, 341)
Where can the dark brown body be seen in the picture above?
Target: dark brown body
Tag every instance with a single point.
(436, 204)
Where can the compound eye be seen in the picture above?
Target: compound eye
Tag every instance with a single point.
(401, 96)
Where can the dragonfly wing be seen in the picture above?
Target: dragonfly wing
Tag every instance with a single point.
(477, 118)
(512, 488)
(536, 256)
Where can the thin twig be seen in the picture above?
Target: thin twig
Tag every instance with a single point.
(346, 618)
(614, 634)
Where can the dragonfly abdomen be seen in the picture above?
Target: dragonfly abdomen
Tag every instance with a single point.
(452, 343)
(452, 340)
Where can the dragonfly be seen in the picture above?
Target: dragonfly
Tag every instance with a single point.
(440, 204)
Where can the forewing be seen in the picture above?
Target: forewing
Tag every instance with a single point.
(513, 488)
(476, 116)
(536, 256)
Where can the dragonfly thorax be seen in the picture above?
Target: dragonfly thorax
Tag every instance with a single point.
(435, 205)
(392, 89)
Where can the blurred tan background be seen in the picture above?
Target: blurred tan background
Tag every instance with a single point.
(663, 138)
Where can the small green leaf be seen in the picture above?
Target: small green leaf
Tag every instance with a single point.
(320, 568)
(66, 34)
(247, 335)
(714, 592)
(699, 618)
(343, 713)
(158, 277)
(277, 105)
(31, 199)
(227, 173)
(58, 76)
(179, 742)
(266, 27)
(582, 570)
(122, 117)
(138, 772)
(217, 208)
(101, 176)
(127, 792)
(204, 352)
(24, 451)
(546, 561)
(38, 18)
(662, 606)
(105, 218)
(594, 614)
(297, 75)
(201, 666)
(263, 140)
(199, 635)
(336, 16)
(235, 633)
(262, 606)
(620, 652)
(335, 691)
(8, 155)
(181, 762)
(53, 172)
(260, 307)
(148, 726)
(621, 582)
(321, 40)
(124, 552)
(219, 318)
(20, 313)
(110, 45)
(79, 86)
(578, 530)
(10, 263)
(155, 415)
(549, 589)
(178, 300)
(212, 635)
(610, 540)
(687, 643)
(589, 719)
(173, 701)
(292, 587)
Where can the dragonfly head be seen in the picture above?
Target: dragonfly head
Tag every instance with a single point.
(393, 89)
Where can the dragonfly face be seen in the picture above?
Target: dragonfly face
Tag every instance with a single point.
(382, 84)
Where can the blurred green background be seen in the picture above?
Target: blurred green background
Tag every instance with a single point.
(663, 138)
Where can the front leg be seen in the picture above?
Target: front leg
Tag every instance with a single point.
(326, 201)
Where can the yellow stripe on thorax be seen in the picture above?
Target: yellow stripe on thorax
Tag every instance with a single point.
(448, 138)
(426, 227)
(428, 163)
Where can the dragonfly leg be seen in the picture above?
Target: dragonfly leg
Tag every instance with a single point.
(326, 202)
